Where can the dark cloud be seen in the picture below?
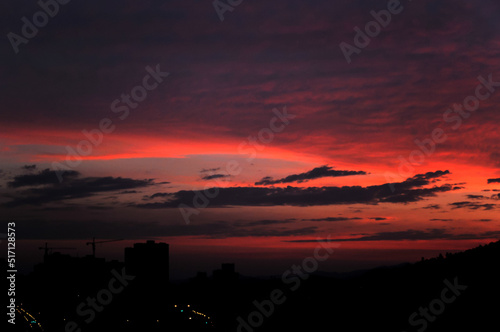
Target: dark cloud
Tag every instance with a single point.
(483, 220)
(42, 178)
(99, 207)
(494, 190)
(436, 219)
(407, 191)
(334, 219)
(29, 167)
(65, 207)
(472, 205)
(271, 232)
(269, 222)
(209, 170)
(378, 218)
(57, 229)
(491, 234)
(476, 197)
(422, 179)
(48, 189)
(316, 173)
(215, 176)
(482, 197)
(413, 235)
(158, 195)
(497, 180)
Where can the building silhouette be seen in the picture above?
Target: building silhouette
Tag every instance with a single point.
(227, 273)
(149, 261)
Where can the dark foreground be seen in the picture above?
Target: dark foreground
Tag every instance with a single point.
(457, 292)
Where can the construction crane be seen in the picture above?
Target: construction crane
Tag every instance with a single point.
(47, 248)
(93, 243)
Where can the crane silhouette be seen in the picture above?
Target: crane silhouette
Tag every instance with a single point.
(47, 248)
(93, 243)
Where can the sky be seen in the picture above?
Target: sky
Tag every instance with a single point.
(247, 133)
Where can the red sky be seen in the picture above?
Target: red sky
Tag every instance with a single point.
(328, 165)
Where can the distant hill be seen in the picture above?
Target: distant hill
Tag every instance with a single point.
(384, 299)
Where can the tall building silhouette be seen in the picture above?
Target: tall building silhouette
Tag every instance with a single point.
(148, 265)
(149, 261)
